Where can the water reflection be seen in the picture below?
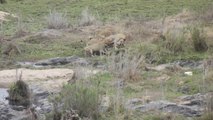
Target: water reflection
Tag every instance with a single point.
(3, 95)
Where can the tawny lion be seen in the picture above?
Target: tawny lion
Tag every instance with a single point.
(117, 40)
(99, 48)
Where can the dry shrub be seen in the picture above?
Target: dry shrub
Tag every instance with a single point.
(87, 18)
(136, 30)
(125, 66)
(57, 20)
(198, 39)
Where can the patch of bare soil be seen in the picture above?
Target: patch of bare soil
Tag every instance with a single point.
(48, 79)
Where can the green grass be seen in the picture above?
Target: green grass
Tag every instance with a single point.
(33, 12)
(32, 15)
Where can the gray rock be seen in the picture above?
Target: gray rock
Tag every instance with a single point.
(41, 103)
(189, 106)
(189, 63)
(74, 60)
(40, 106)
(170, 107)
(6, 113)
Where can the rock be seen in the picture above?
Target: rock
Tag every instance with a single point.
(189, 106)
(189, 63)
(48, 79)
(166, 106)
(74, 60)
(193, 100)
(40, 100)
(6, 113)
(130, 104)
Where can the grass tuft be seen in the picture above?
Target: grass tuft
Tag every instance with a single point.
(57, 20)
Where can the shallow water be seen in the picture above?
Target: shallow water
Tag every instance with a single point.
(3, 95)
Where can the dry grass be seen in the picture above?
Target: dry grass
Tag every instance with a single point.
(21, 29)
(175, 41)
(87, 18)
(57, 20)
(125, 66)
(207, 15)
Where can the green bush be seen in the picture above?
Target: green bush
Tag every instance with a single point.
(19, 94)
(174, 42)
(82, 98)
(199, 42)
(2, 1)
(83, 101)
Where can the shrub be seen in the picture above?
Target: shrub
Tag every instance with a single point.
(19, 94)
(199, 42)
(87, 18)
(76, 100)
(175, 41)
(84, 99)
(57, 20)
(125, 66)
(2, 1)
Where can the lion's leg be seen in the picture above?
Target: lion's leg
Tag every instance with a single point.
(91, 52)
(115, 46)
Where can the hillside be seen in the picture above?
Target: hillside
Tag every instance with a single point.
(106, 59)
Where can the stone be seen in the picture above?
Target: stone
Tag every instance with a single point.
(74, 60)
(189, 106)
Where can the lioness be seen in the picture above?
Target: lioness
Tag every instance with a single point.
(117, 40)
(93, 40)
(97, 48)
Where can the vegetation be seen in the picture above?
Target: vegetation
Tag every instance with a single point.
(56, 20)
(45, 29)
(19, 94)
(80, 98)
(199, 40)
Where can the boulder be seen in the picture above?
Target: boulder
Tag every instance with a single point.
(189, 106)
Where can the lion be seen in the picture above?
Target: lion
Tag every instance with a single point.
(105, 32)
(97, 48)
(93, 40)
(117, 40)
(101, 45)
